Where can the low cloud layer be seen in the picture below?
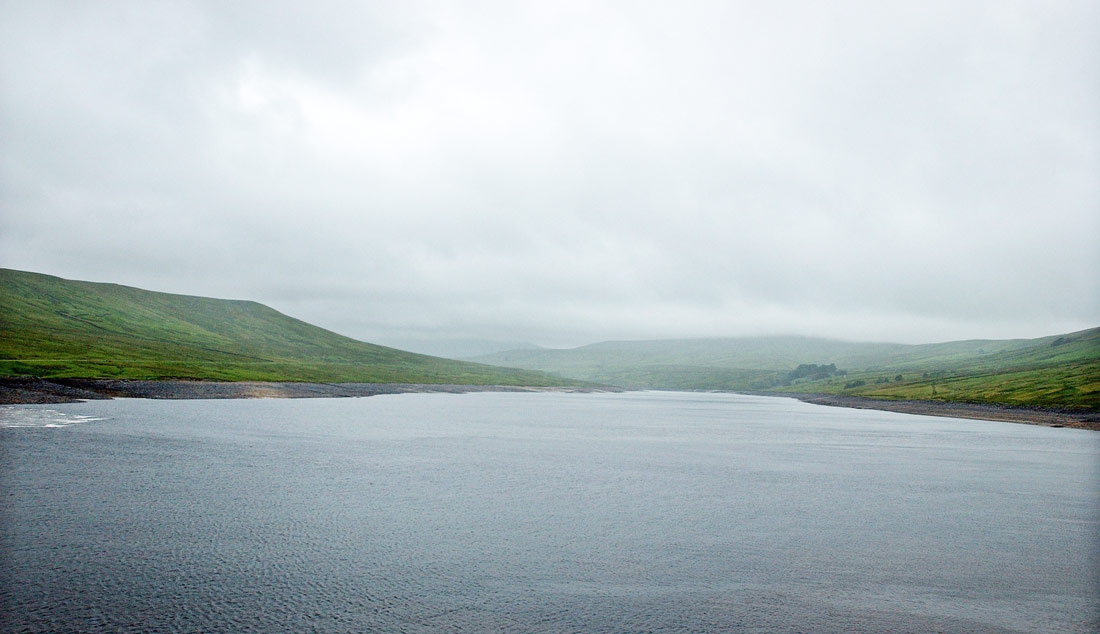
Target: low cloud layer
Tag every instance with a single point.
(569, 173)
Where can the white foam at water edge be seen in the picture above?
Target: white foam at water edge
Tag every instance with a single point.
(16, 416)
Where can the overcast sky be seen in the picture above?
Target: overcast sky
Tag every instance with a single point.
(564, 173)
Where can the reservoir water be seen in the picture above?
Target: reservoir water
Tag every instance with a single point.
(541, 512)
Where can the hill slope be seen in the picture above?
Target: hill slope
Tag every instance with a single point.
(56, 328)
(1054, 372)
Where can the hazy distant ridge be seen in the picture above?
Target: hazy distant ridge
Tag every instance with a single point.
(1060, 371)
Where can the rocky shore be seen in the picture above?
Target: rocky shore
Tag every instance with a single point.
(29, 390)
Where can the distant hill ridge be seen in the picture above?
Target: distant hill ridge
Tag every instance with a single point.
(1059, 371)
(56, 328)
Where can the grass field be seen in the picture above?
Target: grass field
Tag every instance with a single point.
(56, 328)
(1055, 372)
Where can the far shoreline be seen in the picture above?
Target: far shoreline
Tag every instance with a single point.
(975, 411)
(27, 391)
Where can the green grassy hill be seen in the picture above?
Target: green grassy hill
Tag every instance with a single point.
(1054, 372)
(56, 328)
(1060, 372)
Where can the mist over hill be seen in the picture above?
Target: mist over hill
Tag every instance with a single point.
(1059, 371)
(449, 348)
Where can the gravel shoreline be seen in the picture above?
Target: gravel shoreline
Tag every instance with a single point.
(1001, 413)
(29, 391)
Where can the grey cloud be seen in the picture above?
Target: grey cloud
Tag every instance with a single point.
(564, 173)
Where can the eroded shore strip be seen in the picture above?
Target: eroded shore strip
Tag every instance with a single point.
(1002, 413)
(29, 391)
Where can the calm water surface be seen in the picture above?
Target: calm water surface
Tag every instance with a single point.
(636, 512)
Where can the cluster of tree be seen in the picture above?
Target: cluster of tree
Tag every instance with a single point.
(814, 372)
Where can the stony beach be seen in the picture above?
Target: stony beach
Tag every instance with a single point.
(28, 391)
(31, 390)
(1004, 413)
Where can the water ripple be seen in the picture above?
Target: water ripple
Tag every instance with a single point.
(22, 416)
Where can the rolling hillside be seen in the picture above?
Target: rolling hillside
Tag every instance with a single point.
(56, 328)
(1054, 372)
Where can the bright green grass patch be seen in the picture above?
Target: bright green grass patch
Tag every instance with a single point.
(1072, 386)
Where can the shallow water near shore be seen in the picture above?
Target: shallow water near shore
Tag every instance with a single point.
(541, 512)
